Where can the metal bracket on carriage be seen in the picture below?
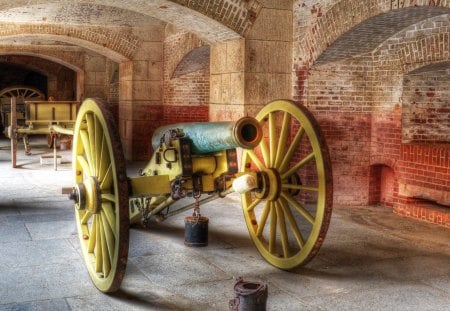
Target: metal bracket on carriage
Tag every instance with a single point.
(178, 191)
(169, 136)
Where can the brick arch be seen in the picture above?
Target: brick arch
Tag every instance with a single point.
(344, 16)
(414, 55)
(25, 64)
(111, 44)
(384, 160)
(212, 20)
(54, 57)
(38, 66)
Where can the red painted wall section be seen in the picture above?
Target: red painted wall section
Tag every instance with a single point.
(174, 114)
(335, 95)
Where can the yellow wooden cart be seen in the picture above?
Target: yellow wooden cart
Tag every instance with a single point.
(51, 118)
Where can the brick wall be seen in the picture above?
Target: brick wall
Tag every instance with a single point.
(360, 97)
(426, 106)
(336, 94)
(410, 120)
(186, 94)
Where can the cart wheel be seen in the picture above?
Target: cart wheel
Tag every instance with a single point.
(101, 195)
(288, 217)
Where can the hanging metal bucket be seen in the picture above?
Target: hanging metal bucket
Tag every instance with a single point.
(250, 296)
(196, 231)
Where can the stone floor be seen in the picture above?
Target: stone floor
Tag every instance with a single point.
(370, 260)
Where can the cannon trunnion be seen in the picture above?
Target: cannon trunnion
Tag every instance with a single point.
(284, 178)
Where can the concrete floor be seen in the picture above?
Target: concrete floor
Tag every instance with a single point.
(371, 258)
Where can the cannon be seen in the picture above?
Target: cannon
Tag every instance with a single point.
(284, 179)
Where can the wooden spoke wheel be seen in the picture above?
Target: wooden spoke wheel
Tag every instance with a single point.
(22, 92)
(288, 216)
(101, 195)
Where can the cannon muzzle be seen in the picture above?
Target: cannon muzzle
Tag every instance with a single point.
(208, 137)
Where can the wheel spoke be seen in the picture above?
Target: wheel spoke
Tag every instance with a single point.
(106, 264)
(107, 181)
(283, 139)
(110, 216)
(293, 223)
(255, 159)
(91, 132)
(98, 246)
(98, 141)
(253, 205)
(263, 220)
(297, 166)
(92, 237)
(292, 148)
(110, 241)
(84, 165)
(298, 207)
(283, 231)
(300, 187)
(87, 148)
(264, 152)
(109, 197)
(272, 139)
(86, 217)
(273, 228)
(104, 160)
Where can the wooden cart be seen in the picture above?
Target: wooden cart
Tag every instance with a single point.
(51, 118)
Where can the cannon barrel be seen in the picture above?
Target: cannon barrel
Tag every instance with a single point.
(208, 137)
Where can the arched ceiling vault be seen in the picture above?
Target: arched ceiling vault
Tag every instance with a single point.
(211, 21)
(114, 28)
(440, 66)
(367, 36)
(9, 56)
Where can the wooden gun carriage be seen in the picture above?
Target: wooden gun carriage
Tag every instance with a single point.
(284, 178)
(40, 117)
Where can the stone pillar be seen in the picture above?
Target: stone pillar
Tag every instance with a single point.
(268, 56)
(227, 87)
(95, 80)
(248, 73)
(140, 99)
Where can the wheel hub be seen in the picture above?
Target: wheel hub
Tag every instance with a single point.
(87, 195)
(270, 184)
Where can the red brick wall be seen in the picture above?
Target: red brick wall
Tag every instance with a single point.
(186, 97)
(335, 94)
(426, 106)
(359, 100)
(173, 114)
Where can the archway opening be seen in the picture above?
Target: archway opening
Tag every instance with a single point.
(381, 185)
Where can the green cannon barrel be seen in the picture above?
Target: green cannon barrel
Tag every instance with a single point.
(208, 137)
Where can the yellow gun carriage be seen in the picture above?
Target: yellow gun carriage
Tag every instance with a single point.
(284, 178)
(40, 117)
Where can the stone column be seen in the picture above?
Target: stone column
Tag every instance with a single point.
(248, 73)
(140, 99)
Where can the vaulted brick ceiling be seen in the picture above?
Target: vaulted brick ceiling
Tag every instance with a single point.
(368, 35)
(114, 28)
(208, 21)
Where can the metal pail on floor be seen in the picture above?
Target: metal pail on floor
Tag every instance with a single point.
(196, 231)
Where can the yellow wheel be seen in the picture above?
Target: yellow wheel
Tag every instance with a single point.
(288, 216)
(100, 193)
